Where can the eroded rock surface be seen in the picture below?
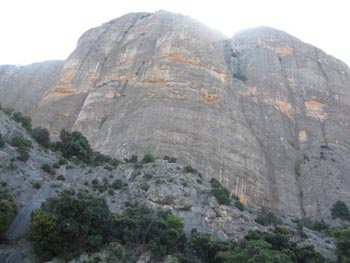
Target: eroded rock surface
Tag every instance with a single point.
(263, 112)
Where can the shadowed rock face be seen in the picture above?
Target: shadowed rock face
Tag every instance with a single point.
(278, 139)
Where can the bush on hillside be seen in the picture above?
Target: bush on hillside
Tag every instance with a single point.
(8, 208)
(266, 218)
(75, 144)
(47, 168)
(22, 146)
(42, 136)
(160, 231)
(272, 246)
(25, 121)
(221, 194)
(2, 142)
(68, 224)
(340, 210)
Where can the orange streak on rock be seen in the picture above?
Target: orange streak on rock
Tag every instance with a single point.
(283, 106)
(210, 98)
(175, 57)
(153, 81)
(302, 136)
(315, 109)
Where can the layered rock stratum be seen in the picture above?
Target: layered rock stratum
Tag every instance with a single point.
(263, 112)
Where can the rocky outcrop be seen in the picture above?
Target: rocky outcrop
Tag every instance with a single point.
(22, 87)
(263, 112)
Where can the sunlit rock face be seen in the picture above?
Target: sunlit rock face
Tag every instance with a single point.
(263, 112)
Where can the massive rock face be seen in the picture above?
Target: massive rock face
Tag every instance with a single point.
(265, 113)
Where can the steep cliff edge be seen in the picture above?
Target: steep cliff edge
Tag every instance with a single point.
(263, 112)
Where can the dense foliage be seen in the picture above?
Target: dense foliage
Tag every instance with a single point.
(221, 194)
(8, 208)
(73, 222)
(70, 223)
(42, 136)
(75, 146)
(342, 236)
(160, 231)
(273, 246)
(25, 121)
(2, 142)
(340, 210)
(266, 218)
(23, 146)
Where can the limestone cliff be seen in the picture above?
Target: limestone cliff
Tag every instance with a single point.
(263, 112)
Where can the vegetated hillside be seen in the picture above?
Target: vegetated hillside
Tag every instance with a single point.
(264, 113)
(156, 210)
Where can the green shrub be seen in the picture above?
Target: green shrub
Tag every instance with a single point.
(117, 251)
(221, 194)
(169, 159)
(98, 158)
(160, 231)
(210, 248)
(342, 236)
(41, 136)
(70, 223)
(75, 144)
(148, 155)
(2, 142)
(133, 159)
(62, 161)
(313, 225)
(56, 165)
(340, 210)
(47, 168)
(189, 169)
(45, 235)
(144, 186)
(23, 154)
(272, 246)
(108, 167)
(22, 146)
(8, 111)
(8, 208)
(214, 183)
(266, 218)
(60, 178)
(148, 158)
(25, 121)
(94, 182)
(258, 251)
(239, 205)
(103, 120)
(20, 142)
(12, 166)
(117, 184)
(36, 185)
(114, 162)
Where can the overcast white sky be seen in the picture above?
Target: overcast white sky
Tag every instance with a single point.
(38, 30)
